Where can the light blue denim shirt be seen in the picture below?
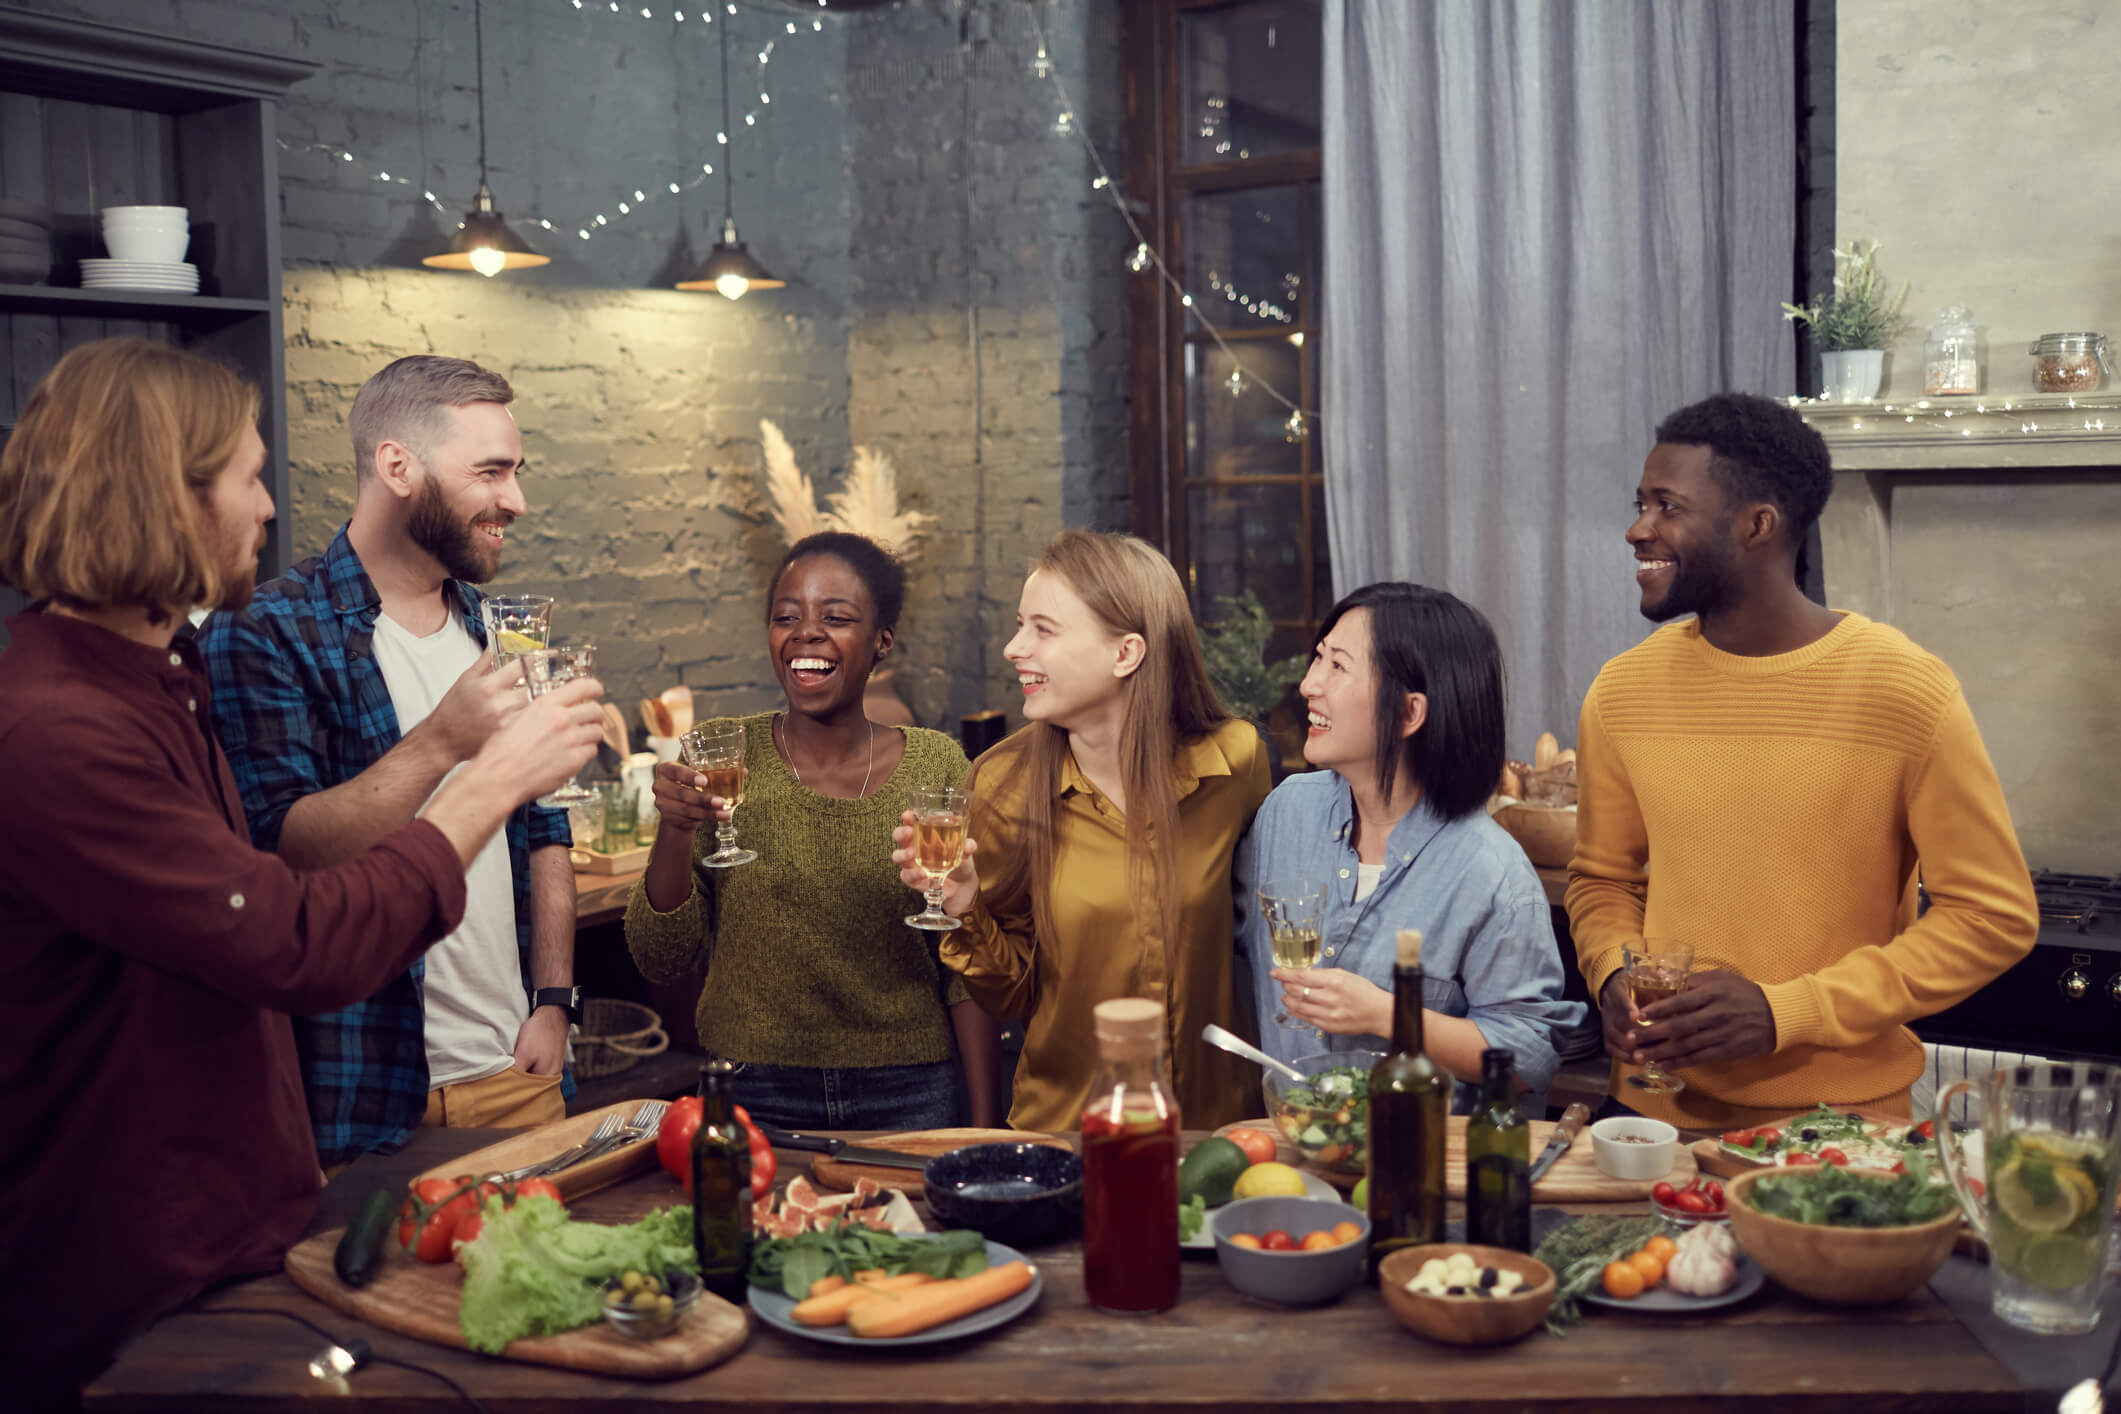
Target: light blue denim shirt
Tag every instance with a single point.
(1488, 947)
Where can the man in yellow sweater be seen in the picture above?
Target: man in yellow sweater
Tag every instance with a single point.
(1763, 783)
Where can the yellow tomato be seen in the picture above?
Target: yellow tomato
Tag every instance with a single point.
(1245, 1239)
(1319, 1241)
(1647, 1263)
(1622, 1281)
(1345, 1232)
(1663, 1246)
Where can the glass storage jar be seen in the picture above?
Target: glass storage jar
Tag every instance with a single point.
(1950, 360)
(2069, 363)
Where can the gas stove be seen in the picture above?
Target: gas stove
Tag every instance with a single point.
(2063, 999)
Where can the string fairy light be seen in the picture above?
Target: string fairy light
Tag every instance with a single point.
(1145, 256)
(2048, 417)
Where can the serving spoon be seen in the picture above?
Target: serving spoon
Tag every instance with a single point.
(1238, 1046)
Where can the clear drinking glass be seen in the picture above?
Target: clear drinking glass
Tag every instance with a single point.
(545, 669)
(1655, 971)
(1295, 914)
(2051, 1138)
(939, 820)
(516, 623)
(716, 751)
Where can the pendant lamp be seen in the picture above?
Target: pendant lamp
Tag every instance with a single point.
(484, 242)
(729, 269)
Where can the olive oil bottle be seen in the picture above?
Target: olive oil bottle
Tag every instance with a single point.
(1499, 1160)
(1410, 1101)
(721, 1188)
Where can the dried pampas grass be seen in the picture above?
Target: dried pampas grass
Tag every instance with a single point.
(867, 504)
(794, 503)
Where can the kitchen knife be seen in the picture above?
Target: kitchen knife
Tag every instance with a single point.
(845, 1152)
(1565, 1134)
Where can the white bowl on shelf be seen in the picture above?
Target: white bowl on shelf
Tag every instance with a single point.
(149, 245)
(146, 216)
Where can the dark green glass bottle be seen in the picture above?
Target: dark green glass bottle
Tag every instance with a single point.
(1410, 1102)
(721, 1188)
(1499, 1160)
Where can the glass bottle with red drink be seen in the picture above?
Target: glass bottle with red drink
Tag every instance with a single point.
(1130, 1165)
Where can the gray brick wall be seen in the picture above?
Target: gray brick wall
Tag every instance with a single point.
(640, 404)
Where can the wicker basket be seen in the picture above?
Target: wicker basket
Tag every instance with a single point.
(614, 1035)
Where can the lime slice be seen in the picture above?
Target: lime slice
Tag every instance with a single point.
(2060, 1262)
(2040, 1195)
(513, 642)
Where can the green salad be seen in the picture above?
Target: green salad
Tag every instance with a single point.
(1328, 1118)
(1835, 1197)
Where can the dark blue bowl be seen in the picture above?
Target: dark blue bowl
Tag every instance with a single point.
(1021, 1195)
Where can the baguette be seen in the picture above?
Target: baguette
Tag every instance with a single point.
(896, 1313)
(1545, 751)
(829, 1308)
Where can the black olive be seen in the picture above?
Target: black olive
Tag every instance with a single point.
(1454, 1291)
(1809, 1135)
(1914, 1136)
(1487, 1276)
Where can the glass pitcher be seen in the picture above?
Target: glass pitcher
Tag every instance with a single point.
(2049, 1137)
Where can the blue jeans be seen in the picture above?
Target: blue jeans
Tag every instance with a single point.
(856, 1097)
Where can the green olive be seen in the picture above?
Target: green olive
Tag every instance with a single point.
(630, 1283)
(663, 1305)
(644, 1300)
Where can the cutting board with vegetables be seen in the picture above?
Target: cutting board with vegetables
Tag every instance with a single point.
(419, 1299)
(1575, 1177)
(549, 1140)
(828, 1172)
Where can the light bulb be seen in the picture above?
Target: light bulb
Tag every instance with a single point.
(731, 287)
(1064, 125)
(488, 261)
(1140, 259)
(1041, 66)
(1236, 385)
(1293, 429)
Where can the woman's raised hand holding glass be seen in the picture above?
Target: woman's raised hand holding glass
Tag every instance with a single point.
(930, 836)
(716, 751)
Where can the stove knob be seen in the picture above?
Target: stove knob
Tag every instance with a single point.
(2075, 984)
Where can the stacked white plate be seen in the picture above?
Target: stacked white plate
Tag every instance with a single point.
(179, 278)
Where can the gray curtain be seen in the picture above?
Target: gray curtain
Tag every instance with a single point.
(1547, 224)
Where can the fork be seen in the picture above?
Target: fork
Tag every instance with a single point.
(605, 1131)
(642, 1125)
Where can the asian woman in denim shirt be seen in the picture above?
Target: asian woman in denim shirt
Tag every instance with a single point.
(1405, 702)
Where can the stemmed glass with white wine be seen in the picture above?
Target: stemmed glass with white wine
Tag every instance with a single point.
(716, 751)
(516, 624)
(1295, 915)
(1656, 971)
(545, 669)
(939, 820)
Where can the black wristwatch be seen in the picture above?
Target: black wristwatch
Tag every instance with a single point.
(568, 997)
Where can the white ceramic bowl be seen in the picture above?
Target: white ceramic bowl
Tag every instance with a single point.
(1634, 1148)
(146, 216)
(157, 247)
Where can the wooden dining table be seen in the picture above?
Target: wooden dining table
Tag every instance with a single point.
(1214, 1351)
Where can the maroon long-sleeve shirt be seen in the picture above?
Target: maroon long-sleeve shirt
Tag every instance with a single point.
(153, 1136)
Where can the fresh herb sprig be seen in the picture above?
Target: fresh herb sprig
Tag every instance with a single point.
(1191, 1214)
(795, 1264)
(1578, 1254)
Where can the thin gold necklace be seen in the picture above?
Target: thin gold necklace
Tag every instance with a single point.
(788, 755)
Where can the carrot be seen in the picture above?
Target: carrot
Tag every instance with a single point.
(825, 1284)
(869, 1274)
(830, 1308)
(896, 1313)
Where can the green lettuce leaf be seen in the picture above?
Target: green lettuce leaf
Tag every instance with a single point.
(534, 1271)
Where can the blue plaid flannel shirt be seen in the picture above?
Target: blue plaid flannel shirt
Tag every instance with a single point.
(300, 706)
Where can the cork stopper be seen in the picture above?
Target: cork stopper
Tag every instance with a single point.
(1129, 1026)
(1410, 947)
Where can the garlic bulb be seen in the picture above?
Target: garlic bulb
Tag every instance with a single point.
(1704, 1263)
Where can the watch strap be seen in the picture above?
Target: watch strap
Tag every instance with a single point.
(569, 998)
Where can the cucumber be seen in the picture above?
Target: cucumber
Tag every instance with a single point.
(1313, 1138)
(361, 1247)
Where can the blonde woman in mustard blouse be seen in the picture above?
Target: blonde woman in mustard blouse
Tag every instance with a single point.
(1075, 898)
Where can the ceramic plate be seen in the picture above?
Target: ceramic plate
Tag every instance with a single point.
(773, 1307)
(1663, 1298)
(1314, 1187)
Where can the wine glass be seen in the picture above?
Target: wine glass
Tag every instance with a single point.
(516, 623)
(545, 669)
(1655, 971)
(716, 751)
(939, 818)
(1295, 913)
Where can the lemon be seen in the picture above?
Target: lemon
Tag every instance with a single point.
(513, 642)
(2059, 1262)
(1270, 1180)
(2040, 1195)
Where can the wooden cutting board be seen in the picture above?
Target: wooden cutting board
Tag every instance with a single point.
(419, 1299)
(828, 1172)
(1575, 1177)
(547, 1140)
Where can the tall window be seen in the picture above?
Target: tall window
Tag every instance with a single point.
(1223, 101)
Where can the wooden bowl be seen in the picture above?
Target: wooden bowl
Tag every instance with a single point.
(1467, 1320)
(1547, 835)
(1842, 1266)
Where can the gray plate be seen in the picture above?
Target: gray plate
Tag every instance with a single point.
(773, 1307)
(1750, 1280)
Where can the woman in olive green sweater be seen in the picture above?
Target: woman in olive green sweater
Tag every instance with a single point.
(836, 1013)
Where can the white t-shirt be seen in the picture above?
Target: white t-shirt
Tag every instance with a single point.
(473, 998)
(1367, 877)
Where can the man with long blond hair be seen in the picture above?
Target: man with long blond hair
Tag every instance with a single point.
(346, 693)
(152, 1128)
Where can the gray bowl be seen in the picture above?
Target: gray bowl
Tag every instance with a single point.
(1020, 1195)
(1290, 1278)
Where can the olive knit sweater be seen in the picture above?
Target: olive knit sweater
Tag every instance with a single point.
(810, 960)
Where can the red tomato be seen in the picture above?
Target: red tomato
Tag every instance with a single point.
(1664, 1193)
(673, 1139)
(468, 1230)
(1741, 1138)
(1980, 1188)
(538, 1188)
(1258, 1146)
(1770, 1135)
(1800, 1160)
(1899, 1168)
(1714, 1193)
(1691, 1202)
(1275, 1240)
(430, 1217)
(1834, 1157)
(1927, 1129)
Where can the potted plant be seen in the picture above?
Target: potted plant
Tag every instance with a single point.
(1852, 324)
(1235, 647)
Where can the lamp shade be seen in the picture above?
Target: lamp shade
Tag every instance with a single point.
(486, 244)
(729, 269)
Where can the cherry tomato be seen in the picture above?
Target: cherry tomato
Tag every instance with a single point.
(430, 1217)
(1651, 1268)
(1770, 1135)
(1275, 1240)
(1664, 1193)
(1258, 1145)
(468, 1230)
(1622, 1281)
(1319, 1241)
(1834, 1157)
(538, 1188)
(1691, 1202)
(1740, 1138)
(1927, 1129)
(1899, 1168)
(1344, 1233)
(1245, 1239)
(1663, 1246)
(1714, 1193)
(1800, 1161)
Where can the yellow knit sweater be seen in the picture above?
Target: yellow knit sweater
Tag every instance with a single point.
(1773, 812)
